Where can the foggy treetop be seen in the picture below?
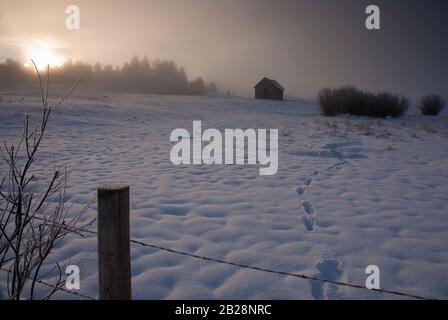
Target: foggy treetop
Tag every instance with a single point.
(139, 75)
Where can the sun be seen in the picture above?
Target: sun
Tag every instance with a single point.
(43, 55)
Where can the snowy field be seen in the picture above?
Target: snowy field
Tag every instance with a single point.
(349, 192)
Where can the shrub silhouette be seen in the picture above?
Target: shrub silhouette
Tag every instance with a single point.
(431, 105)
(350, 100)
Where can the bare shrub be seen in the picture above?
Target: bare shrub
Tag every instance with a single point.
(350, 100)
(432, 105)
(33, 214)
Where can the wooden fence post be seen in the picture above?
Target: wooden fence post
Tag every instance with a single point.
(114, 260)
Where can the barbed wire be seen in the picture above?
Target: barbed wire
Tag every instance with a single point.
(56, 288)
(284, 273)
(296, 275)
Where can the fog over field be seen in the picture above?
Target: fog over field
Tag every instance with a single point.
(304, 44)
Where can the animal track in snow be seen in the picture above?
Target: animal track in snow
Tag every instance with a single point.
(308, 208)
(300, 191)
(328, 269)
(309, 222)
(309, 219)
(309, 180)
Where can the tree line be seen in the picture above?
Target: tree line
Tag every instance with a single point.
(139, 75)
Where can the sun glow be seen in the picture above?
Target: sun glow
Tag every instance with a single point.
(43, 55)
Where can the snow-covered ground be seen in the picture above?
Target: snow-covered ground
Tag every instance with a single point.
(349, 192)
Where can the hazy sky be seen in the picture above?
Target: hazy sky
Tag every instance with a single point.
(304, 44)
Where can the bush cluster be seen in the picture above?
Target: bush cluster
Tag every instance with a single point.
(350, 100)
(431, 105)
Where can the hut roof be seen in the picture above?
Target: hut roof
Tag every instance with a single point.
(274, 82)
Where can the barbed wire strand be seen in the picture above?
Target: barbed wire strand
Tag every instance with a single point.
(296, 275)
(244, 266)
(57, 288)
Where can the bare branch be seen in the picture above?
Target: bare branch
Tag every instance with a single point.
(33, 222)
